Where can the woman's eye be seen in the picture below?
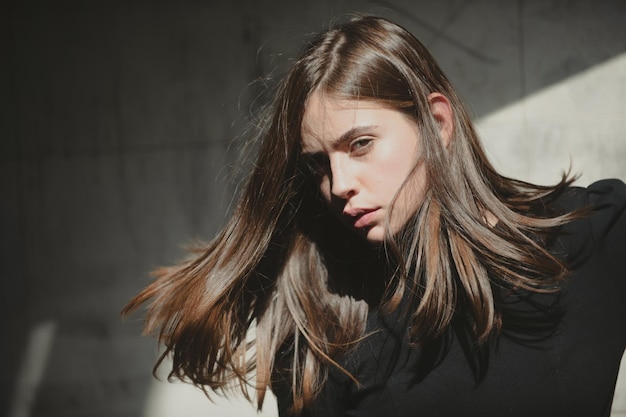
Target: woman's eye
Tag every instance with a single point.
(359, 145)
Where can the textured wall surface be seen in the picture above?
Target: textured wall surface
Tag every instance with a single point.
(114, 152)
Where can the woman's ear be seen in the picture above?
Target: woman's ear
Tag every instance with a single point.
(442, 112)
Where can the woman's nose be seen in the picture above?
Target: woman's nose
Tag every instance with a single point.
(343, 180)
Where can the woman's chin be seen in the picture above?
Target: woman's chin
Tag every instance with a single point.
(374, 235)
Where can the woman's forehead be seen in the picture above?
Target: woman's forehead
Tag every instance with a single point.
(327, 117)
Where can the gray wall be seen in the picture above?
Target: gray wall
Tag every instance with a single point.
(115, 129)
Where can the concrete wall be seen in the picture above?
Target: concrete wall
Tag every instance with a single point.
(115, 124)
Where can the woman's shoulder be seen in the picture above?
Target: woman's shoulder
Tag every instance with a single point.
(600, 195)
(602, 229)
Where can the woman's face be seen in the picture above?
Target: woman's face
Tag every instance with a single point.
(361, 153)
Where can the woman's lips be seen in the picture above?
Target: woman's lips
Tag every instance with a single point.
(364, 218)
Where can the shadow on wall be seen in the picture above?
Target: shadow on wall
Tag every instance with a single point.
(116, 124)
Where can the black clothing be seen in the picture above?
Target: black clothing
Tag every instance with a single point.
(565, 366)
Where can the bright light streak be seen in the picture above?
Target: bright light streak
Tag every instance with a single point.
(32, 370)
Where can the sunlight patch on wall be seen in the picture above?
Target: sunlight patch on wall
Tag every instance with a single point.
(178, 399)
(582, 119)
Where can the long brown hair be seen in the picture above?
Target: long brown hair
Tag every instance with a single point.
(284, 266)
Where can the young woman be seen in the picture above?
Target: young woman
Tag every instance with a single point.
(387, 268)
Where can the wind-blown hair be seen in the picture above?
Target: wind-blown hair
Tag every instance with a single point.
(285, 266)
